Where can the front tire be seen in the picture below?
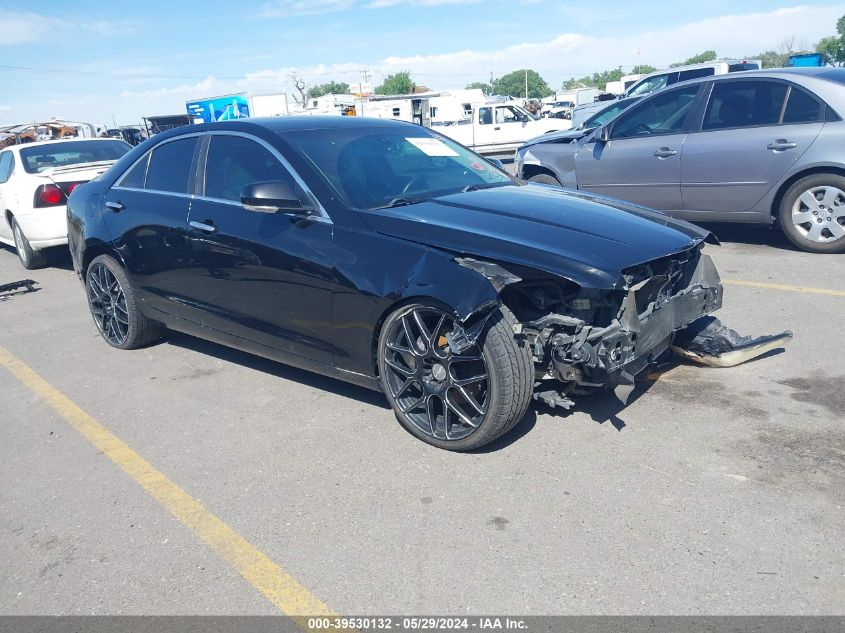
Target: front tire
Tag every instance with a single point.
(546, 179)
(456, 401)
(30, 258)
(812, 213)
(114, 306)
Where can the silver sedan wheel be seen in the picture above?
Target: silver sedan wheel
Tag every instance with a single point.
(819, 214)
(20, 244)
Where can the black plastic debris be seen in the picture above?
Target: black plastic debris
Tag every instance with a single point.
(24, 285)
(708, 342)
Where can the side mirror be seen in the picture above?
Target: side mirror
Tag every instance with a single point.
(497, 163)
(272, 196)
(602, 135)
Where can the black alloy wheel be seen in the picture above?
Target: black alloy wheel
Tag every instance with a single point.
(114, 307)
(455, 400)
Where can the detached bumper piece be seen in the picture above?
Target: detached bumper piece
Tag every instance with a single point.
(708, 342)
(652, 311)
(27, 284)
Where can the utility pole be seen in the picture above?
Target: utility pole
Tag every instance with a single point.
(366, 74)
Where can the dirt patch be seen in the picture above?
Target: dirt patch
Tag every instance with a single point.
(821, 390)
(796, 458)
(696, 390)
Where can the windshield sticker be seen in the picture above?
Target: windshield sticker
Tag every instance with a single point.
(478, 167)
(432, 146)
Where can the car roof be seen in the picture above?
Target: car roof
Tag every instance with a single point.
(828, 73)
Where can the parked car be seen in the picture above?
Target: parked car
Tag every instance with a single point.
(669, 77)
(500, 128)
(35, 180)
(762, 147)
(384, 254)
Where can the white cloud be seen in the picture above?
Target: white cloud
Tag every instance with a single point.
(381, 4)
(5, 107)
(20, 27)
(25, 26)
(293, 8)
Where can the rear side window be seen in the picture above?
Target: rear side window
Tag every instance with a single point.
(170, 165)
(234, 162)
(135, 176)
(744, 104)
(802, 108)
(7, 164)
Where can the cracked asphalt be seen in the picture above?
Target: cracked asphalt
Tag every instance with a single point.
(715, 491)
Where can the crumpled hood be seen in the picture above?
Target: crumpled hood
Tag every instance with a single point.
(588, 239)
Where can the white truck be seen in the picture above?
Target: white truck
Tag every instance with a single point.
(499, 128)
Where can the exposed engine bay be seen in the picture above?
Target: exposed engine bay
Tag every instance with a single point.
(585, 338)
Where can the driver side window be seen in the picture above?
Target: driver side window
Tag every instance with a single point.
(234, 162)
(664, 113)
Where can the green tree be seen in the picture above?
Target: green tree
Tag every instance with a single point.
(642, 69)
(706, 56)
(328, 88)
(601, 79)
(396, 84)
(833, 48)
(513, 84)
(486, 89)
(771, 59)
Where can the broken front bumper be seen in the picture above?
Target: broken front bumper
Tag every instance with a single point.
(614, 355)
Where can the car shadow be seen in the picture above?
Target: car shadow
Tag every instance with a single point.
(280, 370)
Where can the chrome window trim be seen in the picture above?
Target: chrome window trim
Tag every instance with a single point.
(323, 214)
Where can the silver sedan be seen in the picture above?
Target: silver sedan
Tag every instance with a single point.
(759, 147)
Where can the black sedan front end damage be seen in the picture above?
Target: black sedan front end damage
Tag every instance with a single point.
(585, 338)
(661, 298)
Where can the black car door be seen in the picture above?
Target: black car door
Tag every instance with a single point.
(264, 277)
(147, 211)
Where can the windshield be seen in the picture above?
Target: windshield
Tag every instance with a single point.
(602, 117)
(379, 167)
(63, 153)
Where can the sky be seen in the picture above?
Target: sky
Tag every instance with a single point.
(115, 62)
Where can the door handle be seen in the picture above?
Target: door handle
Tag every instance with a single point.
(497, 128)
(117, 207)
(665, 152)
(203, 226)
(781, 144)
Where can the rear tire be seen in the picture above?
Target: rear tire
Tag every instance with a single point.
(455, 401)
(546, 179)
(115, 307)
(30, 258)
(812, 213)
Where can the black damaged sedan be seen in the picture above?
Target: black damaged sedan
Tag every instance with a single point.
(384, 254)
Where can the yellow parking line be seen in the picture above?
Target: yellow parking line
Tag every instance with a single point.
(262, 573)
(758, 284)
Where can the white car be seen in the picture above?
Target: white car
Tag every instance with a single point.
(35, 181)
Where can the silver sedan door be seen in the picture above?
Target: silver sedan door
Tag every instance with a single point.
(748, 140)
(641, 161)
